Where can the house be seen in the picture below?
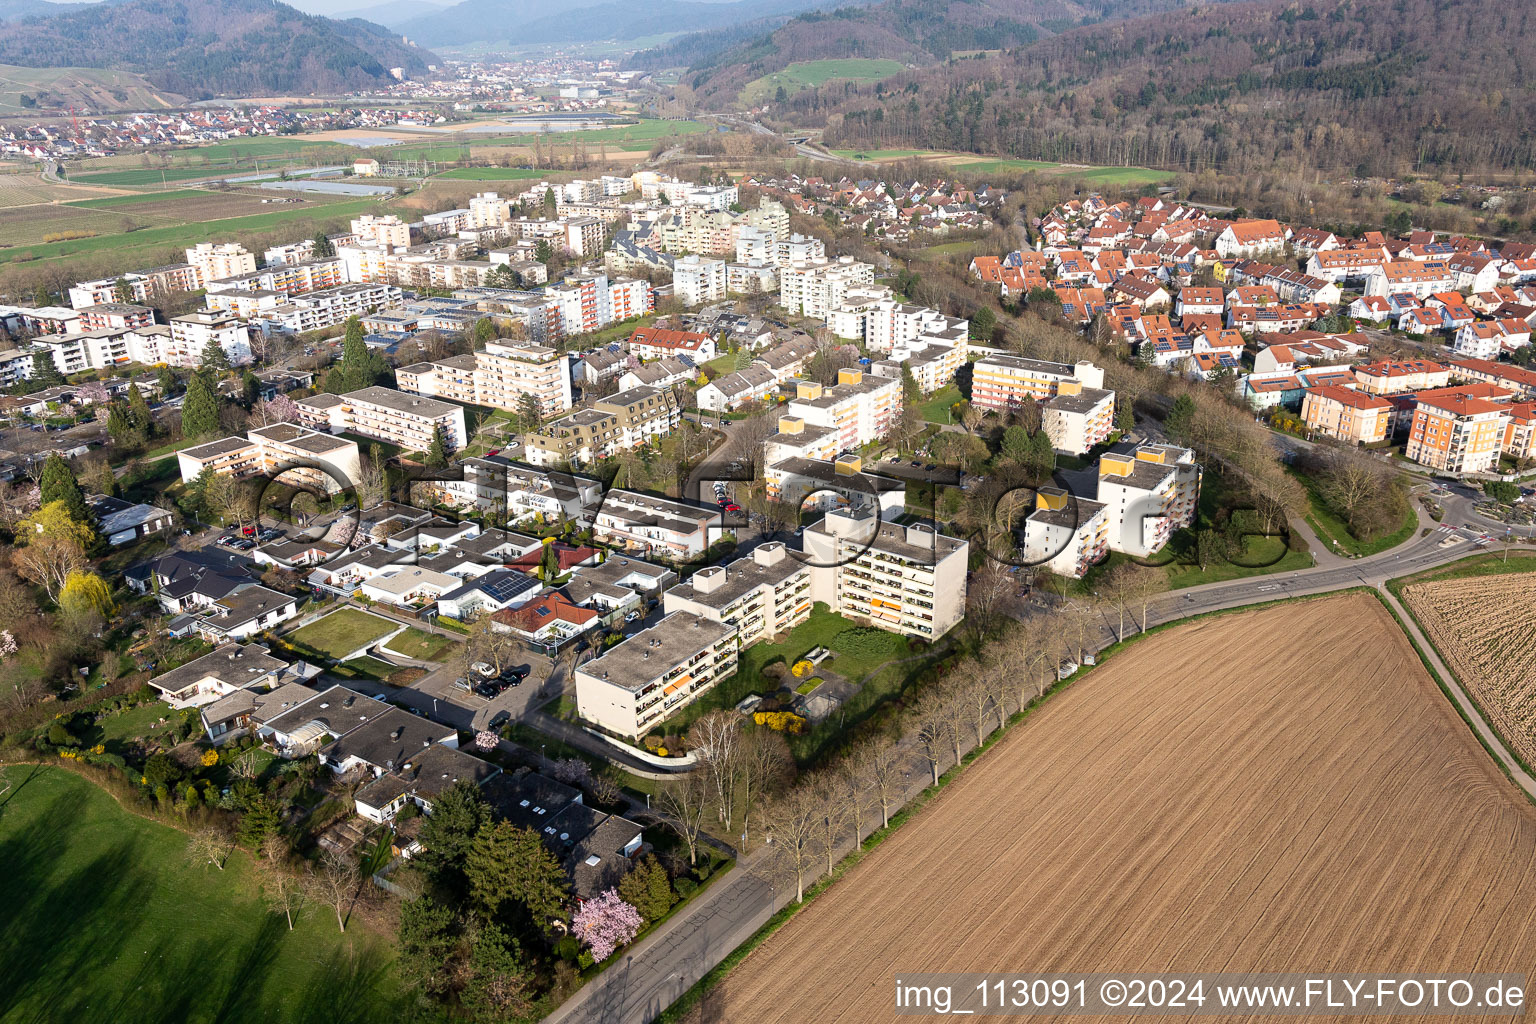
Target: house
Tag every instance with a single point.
(184, 580)
(244, 613)
(1370, 308)
(385, 742)
(659, 342)
(491, 592)
(733, 390)
(242, 711)
(123, 522)
(224, 670)
(550, 620)
(1200, 300)
(408, 585)
(303, 728)
(617, 586)
(1390, 377)
(1249, 238)
(424, 775)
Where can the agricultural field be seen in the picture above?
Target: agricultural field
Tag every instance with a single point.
(106, 919)
(96, 89)
(137, 237)
(1483, 628)
(156, 177)
(1282, 800)
(811, 73)
(493, 174)
(25, 189)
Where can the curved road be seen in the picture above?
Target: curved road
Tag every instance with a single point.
(667, 963)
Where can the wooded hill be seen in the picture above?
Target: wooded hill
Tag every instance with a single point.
(206, 48)
(1363, 87)
(915, 31)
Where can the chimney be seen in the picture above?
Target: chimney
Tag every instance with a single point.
(395, 735)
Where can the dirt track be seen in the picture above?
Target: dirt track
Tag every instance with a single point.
(1283, 790)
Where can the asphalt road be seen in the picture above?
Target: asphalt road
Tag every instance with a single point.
(666, 964)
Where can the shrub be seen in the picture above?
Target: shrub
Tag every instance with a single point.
(780, 721)
(685, 887)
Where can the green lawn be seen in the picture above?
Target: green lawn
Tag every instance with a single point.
(1334, 532)
(186, 234)
(492, 173)
(820, 630)
(108, 202)
(936, 409)
(810, 73)
(419, 644)
(882, 154)
(143, 176)
(1261, 556)
(341, 632)
(106, 920)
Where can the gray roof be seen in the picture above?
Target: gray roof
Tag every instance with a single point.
(339, 709)
(399, 401)
(388, 740)
(237, 665)
(651, 652)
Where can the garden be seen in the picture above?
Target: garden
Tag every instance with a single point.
(340, 633)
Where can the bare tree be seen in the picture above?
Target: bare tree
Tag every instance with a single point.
(881, 766)
(836, 813)
(283, 892)
(929, 734)
(333, 883)
(208, 845)
(716, 739)
(683, 802)
(766, 765)
(975, 696)
(791, 825)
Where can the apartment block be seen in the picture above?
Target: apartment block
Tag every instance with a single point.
(505, 488)
(329, 307)
(1393, 377)
(586, 302)
(647, 524)
(906, 579)
(408, 421)
(385, 230)
(1346, 414)
(1064, 533)
(1003, 381)
(1520, 432)
(301, 455)
(192, 333)
(215, 260)
(497, 376)
(815, 289)
(610, 425)
(858, 409)
(697, 280)
(762, 595)
(1459, 429)
(1148, 493)
(1077, 418)
(115, 316)
(634, 686)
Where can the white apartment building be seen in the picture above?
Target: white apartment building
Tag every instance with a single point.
(647, 524)
(408, 421)
(759, 247)
(316, 311)
(905, 579)
(587, 302)
(698, 280)
(1064, 533)
(489, 210)
(215, 260)
(762, 595)
(98, 350)
(192, 333)
(634, 686)
(500, 486)
(858, 409)
(584, 236)
(302, 456)
(815, 289)
(498, 376)
(1147, 493)
(385, 230)
(1077, 418)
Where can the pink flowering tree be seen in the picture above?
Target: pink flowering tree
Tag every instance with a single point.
(605, 923)
(486, 740)
(281, 409)
(7, 643)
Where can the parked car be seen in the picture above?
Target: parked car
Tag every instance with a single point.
(632, 616)
(499, 719)
(732, 507)
(485, 668)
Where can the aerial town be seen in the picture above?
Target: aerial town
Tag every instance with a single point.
(513, 577)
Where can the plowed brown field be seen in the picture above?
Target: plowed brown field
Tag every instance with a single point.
(1282, 790)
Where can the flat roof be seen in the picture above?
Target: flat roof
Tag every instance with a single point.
(652, 652)
(399, 401)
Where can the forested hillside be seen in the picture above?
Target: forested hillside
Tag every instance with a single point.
(1368, 87)
(203, 48)
(917, 31)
